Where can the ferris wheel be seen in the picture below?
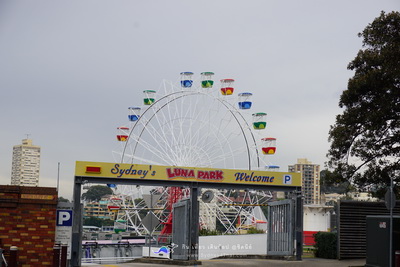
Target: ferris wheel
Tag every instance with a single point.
(190, 123)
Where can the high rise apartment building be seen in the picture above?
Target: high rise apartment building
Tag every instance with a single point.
(25, 164)
(310, 180)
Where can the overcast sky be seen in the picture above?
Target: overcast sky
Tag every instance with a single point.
(70, 69)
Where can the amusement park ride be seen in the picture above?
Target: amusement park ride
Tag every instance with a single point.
(189, 123)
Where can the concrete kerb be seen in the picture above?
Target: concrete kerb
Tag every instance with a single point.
(167, 261)
(254, 262)
(262, 257)
(197, 262)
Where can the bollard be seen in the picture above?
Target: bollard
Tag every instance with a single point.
(13, 256)
(397, 258)
(64, 251)
(56, 256)
(1, 257)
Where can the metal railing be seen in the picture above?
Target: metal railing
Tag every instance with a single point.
(98, 252)
(122, 250)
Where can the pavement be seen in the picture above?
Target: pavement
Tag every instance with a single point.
(307, 262)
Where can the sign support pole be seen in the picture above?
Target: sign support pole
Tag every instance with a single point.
(77, 225)
(194, 224)
(299, 224)
(391, 223)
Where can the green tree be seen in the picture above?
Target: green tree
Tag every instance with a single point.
(96, 192)
(365, 139)
(325, 245)
(62, 199)
(253, 230)
(99, 222)
(92, 221)
(333, 183)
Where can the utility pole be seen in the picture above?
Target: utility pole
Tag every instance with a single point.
(392, 203)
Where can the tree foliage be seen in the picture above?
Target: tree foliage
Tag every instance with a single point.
(99, 222)
(62, 199)
(325, 245)
(365, 139)
(329, 183)
(96, 192)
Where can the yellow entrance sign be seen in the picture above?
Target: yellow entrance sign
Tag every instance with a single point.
(186, 174)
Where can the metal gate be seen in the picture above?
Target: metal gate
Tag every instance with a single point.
(281, 228)
(180, 230)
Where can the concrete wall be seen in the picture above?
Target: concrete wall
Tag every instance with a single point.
(28, 221)
(221, 245)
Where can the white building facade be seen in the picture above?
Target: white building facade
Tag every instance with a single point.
(25, 164)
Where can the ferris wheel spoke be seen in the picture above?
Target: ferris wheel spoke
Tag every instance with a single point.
(154, 150)
(160, 147)
(227, 153)
(170, 139)
(164, 133)
(144, 160)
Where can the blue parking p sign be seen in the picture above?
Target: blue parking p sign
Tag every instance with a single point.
(64, 218)
(287, 179)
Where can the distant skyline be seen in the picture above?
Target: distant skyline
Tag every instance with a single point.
(69, 70)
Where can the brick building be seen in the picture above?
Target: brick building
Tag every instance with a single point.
(28, 221)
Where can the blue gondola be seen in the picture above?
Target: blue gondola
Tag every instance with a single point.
(244, 100)
(134, 113)
(186, 79)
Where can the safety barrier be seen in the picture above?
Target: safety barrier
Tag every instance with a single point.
(98, 252)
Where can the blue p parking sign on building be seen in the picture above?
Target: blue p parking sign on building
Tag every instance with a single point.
(64, 218)
(287, 179)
